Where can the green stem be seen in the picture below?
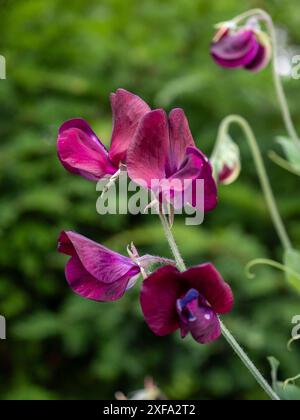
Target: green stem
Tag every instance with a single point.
(248, 363)
(265, 17)
(271, 263)
(226, 333)
(284, 164)
(261, 171)
(172, 243)
(294, 379)
(292, 340)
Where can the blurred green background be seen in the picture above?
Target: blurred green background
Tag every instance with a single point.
(63, 60)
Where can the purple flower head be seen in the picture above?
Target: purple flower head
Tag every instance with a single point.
(247, 48)
(189, 301)
(95, 272)
(163, 149)
(80, 150)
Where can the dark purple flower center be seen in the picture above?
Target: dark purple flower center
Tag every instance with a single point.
(197, 317)
(185, 305)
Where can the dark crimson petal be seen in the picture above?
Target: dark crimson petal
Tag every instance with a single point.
(180, 139)
(235, 50)
(64, 245)
(196, 167)
(148, 152)
(80, 151)
(176, 188)
(87, 286)
(210, 188)
(260, 61)
(210, 284)
(159, 294)
(103, 264)
(128, 110)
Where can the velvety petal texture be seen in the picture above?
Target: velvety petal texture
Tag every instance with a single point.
(127, 110)
(208, 281)
(163, 150)
(80, 150)
(198, 318)
(244, 48)
(180, 138)
(190, 301)
(93, 271)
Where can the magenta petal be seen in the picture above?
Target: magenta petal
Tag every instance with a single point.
(128, 110)
(82, 125)
(210, 188)
(100, 262)
(210, 284)
(87, 286)
(80, 151)
(180, 138)
(196, 167)
(158, 300)
(260, 61)
(148, 152)
(95, 271)
(235, 50)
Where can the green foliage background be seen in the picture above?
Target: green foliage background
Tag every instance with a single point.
(63, 60)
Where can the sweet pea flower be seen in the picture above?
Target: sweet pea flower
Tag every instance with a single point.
(246, 47)
(95, 272)
(163, 149)
(189, 301)
(226, 161)
(80, 150)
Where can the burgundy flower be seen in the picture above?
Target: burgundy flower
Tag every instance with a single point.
(189, 301)
(95, 272)
(163, 149)
(80, 150)
(248, 48)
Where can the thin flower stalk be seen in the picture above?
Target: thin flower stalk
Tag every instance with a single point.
(267, 19)
(261, 172)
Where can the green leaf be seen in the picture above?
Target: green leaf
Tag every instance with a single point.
(288, 392)
(292, 261)
(285, 392)
(291, 151)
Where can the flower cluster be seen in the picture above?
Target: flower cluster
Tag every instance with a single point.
(149, 144)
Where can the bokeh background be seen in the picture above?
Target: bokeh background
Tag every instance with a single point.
(63, 60)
